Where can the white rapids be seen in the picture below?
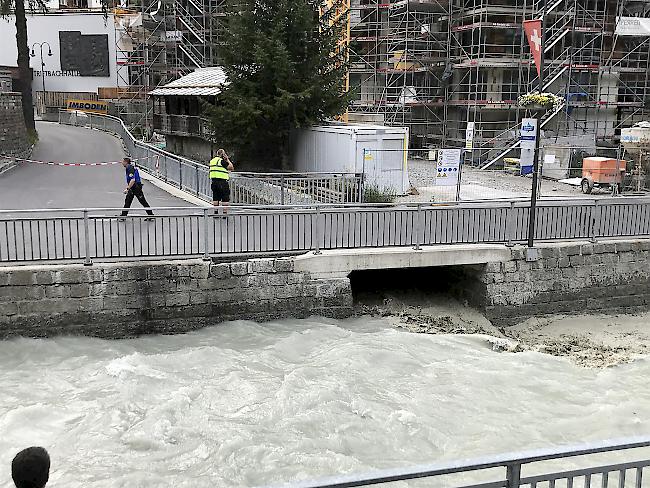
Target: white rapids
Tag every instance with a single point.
(244, 404)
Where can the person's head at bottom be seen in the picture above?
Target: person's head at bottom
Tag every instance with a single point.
(31, 468)
(126, 162)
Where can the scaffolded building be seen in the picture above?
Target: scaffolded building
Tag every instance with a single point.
(437, 66)
(158, 41)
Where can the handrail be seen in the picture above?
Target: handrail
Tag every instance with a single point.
(65, 234)
(501, 460)
(494, 203)
(192, 177)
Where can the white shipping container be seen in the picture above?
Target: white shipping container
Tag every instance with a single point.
(379, 152)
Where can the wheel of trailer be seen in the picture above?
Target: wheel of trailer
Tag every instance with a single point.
(587, 185)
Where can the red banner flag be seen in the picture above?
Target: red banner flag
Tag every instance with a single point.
(533, 29)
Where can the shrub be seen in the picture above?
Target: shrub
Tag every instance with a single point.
(374, 194)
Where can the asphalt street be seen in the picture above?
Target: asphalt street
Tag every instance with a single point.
(37, 186)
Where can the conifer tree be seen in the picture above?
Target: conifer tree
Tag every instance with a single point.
(286, 66)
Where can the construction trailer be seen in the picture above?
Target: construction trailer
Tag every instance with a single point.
(377, 152)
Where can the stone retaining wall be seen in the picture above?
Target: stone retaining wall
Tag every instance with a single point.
(568, 278)
(127, 299)
(13, 135)
(123, 300)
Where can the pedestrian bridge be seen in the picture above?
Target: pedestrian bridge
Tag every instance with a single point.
(356, 229)
(321, 215)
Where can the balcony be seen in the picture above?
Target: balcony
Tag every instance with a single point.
(183, 125)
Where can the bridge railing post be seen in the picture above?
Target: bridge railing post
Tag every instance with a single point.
(510, 227)
(196, 167)
(180, 175)
(87, 260)
(206, 232)
(513, 475)
(419, 230)
(317, 231)
(281, 190)
(596, 222)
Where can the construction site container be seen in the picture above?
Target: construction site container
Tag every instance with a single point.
(379, 152)
(601, 172)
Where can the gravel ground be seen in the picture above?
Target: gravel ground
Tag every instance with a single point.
(477, 184)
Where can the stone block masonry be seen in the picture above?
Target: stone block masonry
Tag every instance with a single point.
(604, 277)
(117, 300)
(128, 299)
(13, 135)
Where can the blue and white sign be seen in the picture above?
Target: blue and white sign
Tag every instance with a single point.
(528, 133)
(448, 167)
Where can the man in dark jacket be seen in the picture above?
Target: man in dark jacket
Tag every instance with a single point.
(133, 188)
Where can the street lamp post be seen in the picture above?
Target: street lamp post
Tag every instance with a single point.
(49, 53)
(533, 194)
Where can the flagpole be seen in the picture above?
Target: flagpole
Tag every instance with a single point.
(533, 195)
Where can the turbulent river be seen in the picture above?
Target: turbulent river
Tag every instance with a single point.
(244, 404)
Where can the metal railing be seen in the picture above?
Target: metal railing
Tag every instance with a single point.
(46, 235)
(481, 471)
(246, 188)
(296, 188)
(184, 125)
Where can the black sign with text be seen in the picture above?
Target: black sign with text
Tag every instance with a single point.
(86, 54)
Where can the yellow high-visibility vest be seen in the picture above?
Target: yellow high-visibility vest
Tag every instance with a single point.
(217, 171)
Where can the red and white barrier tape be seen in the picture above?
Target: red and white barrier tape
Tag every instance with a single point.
(54, 163)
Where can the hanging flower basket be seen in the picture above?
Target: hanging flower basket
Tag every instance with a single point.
(537, 100)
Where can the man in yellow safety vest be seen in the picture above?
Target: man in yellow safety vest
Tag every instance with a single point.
(220, 168)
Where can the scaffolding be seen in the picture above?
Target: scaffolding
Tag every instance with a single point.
(398, 61)
(440, 67)
(201, 24)
(158, 41)
(435, 66)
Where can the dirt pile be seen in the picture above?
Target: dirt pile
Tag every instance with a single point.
(594, 341)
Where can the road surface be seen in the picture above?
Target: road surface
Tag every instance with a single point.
(36, 186)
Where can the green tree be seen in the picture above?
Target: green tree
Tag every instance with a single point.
(286, 69)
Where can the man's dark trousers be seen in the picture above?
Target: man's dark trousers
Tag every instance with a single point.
(135, 191)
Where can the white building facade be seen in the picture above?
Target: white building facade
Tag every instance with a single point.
(82, 45)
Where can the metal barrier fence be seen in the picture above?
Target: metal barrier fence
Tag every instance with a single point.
(246, 188)
(541, 463)
(296, 188)
(38, 235)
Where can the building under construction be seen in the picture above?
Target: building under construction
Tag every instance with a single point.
(158, 41)
(440, 67)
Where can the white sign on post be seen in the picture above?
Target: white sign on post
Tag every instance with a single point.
(469, 136)
(528, 133)
(448, 167)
